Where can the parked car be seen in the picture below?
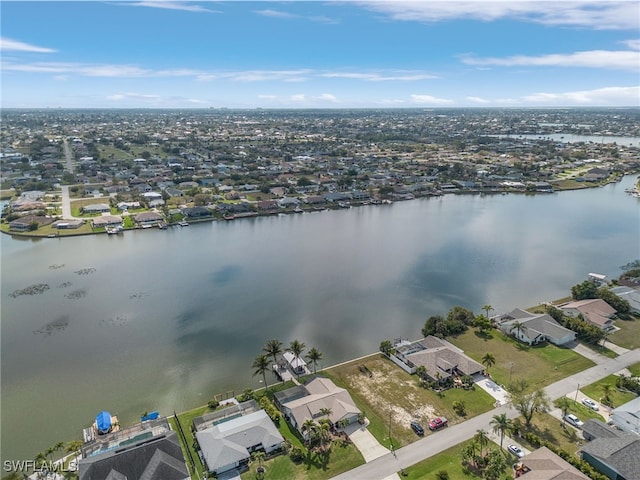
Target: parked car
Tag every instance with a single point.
(417, 428)
(590, 403)
(437, 423)
(517, 451)
(573, 420)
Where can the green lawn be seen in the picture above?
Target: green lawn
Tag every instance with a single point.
(550, 429)
(389, 385)
(539, 365)
(634, 369)
(583, 412)
(594, 391)
(314, 466)
(185, 420)
(629, 334)
(450, 461)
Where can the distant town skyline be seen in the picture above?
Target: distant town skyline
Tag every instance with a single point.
(307, 54)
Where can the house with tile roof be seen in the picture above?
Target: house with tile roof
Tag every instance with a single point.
(594, 310)
(307, 402)
(543, 464)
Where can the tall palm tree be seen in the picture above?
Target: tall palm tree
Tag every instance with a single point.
(501, 424)
(273, 348)
(487, 308)
(260, 366)
(519, 328)
(314, 356)
(489, 360)
(297, 347)
(309, 426)
(74, 446)
(482, 438)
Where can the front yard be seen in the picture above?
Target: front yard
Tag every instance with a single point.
(595, 391)
(550, 429)
(629, 334)
(384, 390)
(539, 365)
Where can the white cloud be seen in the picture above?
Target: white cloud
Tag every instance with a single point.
(608, 96)
(290, 16)
(171, 6)
(477, 100)
(632, 44)
(430, 100)
(327, 97)
(597, 15)
(8, 45)
(298, 97)
(275, 13)
(131, 95)
(621, 60)
(381, 77)
(267, 97)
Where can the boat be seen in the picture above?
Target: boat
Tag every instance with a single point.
(183, 223)
(114, 230)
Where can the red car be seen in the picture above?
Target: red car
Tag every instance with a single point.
(437, 423)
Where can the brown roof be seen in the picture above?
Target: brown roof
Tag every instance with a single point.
(543, 464)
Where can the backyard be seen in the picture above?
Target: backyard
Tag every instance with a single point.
(538, 365)
(391, 398)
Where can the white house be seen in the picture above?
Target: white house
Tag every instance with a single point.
(229, 444)
(534, 328)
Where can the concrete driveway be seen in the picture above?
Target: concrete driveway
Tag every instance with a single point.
(495, 390)
(365, 442)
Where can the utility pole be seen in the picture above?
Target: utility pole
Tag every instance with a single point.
(390, 441)
(576, 397)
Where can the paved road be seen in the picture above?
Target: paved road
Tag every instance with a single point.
(68, 156)
(388, 464)
(66, 203)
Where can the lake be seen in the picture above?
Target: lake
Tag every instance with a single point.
(162, 320)
(571, 138)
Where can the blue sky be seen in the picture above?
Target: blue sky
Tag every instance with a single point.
(303, 54)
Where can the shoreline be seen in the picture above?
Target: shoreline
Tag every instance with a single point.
(226, 218)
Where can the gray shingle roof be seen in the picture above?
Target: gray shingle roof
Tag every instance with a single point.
(157, 459)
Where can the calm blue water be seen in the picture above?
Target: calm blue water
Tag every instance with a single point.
(157, 320)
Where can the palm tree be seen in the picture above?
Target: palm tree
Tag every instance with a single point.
(501, 424)
(482, 438)
(326, 411)
(310, 427)
(519, 328)
(297, 347)
(260, 366)
(487, 308)
(74, 446)
(606, 391)
(468, 452)
(273, 348)
(314, 356)
(489, 360)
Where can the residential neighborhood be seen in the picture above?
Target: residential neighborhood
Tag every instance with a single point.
(223, 165)
(395, 409)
